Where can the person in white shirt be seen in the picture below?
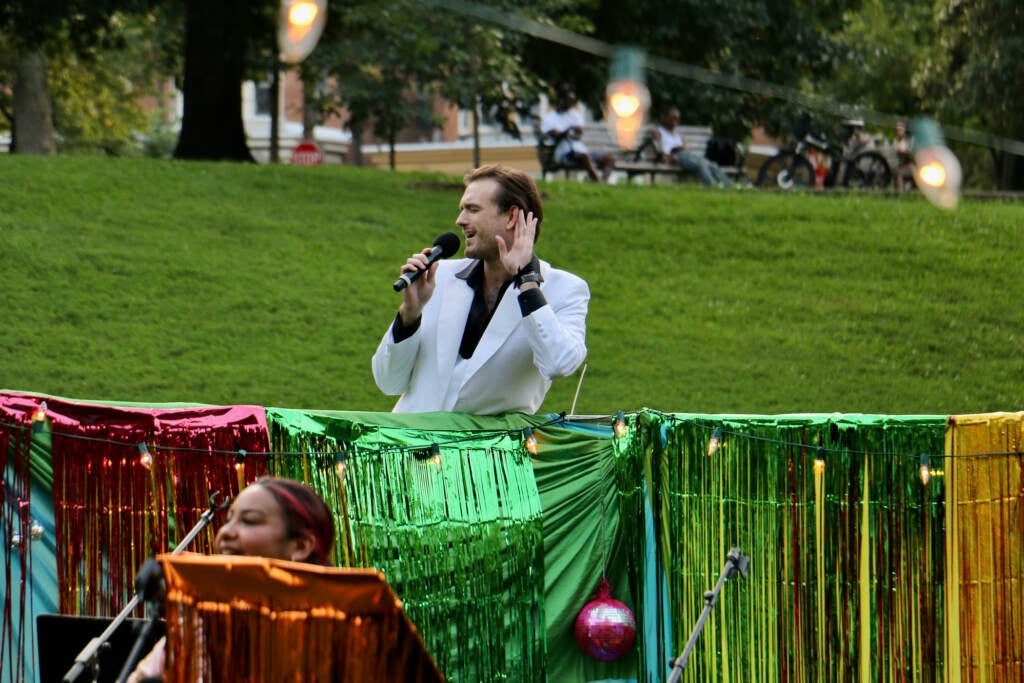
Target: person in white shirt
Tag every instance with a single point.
(485, 334)
(564, 123)
(673, 150)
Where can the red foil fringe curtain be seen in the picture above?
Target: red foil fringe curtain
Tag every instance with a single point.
(106, 498)
(16, 535)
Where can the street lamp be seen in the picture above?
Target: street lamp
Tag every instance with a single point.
(626, 96)
(937, 171)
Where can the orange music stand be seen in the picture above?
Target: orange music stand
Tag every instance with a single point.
(256, 619)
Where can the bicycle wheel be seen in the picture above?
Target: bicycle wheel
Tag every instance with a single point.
(787, 171)
(869, 170)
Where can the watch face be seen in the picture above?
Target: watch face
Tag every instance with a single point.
(528, 277)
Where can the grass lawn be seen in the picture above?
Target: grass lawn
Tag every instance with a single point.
(157, 281)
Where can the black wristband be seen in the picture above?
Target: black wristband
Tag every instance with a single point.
(528, 268)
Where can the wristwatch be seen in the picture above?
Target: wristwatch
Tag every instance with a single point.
(523, 278)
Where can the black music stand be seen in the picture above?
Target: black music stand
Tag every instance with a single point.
(60, 637)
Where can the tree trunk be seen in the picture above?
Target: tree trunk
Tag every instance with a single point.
(476, 132)
(310, 115)
(275, 114)
(32, 129)
(211, 126)
(356, 145)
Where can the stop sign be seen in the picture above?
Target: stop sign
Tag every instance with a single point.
(307, 153)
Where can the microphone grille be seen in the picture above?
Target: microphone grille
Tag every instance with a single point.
(449, 243)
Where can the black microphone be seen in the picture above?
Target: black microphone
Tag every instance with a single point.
(444, 246)
(150, 583)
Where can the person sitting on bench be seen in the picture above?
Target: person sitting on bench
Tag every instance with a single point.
(564, 124)
(673, 150)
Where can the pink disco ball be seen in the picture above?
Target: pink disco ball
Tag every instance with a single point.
(605, 628)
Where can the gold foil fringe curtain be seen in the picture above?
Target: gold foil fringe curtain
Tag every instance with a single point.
(985, 557)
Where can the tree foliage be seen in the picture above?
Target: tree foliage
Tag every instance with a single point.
(974, 78)
(880, 49)
(778, 41)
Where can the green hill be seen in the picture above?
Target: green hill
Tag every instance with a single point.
(156, 281)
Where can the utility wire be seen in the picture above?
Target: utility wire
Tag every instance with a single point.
(518, 22)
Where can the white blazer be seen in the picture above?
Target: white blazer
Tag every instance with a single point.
(513, 365)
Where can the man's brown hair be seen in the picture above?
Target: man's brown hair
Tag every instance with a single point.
(515, 188)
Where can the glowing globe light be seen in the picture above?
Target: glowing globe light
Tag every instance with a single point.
(625, 104)
(626, 96)
(300, 24)
(938, 174)
(302, 14)
(933, 174)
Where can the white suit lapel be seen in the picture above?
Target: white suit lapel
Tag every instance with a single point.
(502, 324)
(451, 323)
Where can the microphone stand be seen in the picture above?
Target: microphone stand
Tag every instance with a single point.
(89, 656)
(735, 561)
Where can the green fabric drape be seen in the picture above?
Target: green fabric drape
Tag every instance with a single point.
(577, 477)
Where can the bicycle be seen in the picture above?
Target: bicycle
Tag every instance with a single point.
(848, 166)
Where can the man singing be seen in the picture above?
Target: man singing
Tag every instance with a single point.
(461, 341)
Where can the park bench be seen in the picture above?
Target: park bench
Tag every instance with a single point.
(641, 161)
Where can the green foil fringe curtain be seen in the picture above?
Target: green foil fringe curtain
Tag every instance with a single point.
(859, 571)
(456, 529)
(846, 569)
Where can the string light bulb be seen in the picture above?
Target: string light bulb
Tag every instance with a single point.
(39, 418)
(715, 441)
(620, 427)
(530, 441)
(340, 465)
(938, 173)
(240, 468)
(145, 457)
(925, 469)
(819, 460)
(627, 96)
(429, 456)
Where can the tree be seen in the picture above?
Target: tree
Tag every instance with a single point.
(97, 91)
(485, 69)
(34, 30)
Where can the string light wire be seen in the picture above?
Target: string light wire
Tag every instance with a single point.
(241, 455)
(599, 48)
